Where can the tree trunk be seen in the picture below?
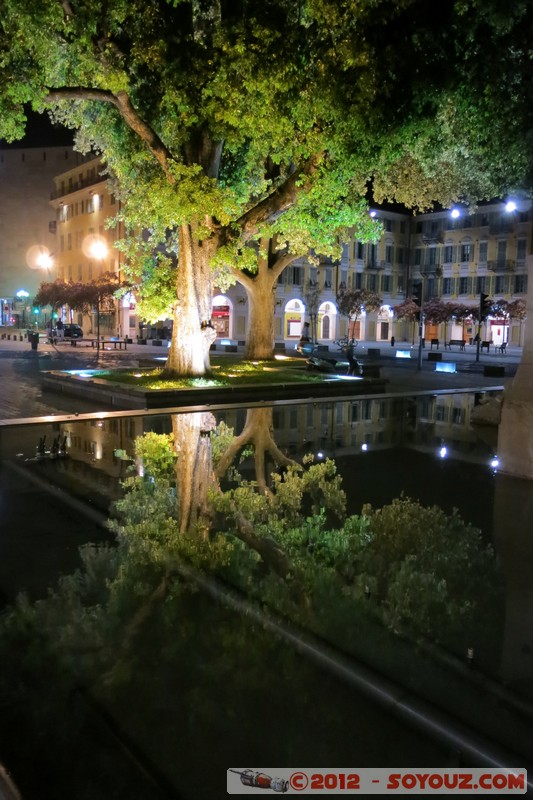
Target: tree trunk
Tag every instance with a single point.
(259, 431)
(260, 332)
(192, 332)
(194, 468)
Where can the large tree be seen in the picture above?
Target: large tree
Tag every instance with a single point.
(217, 118)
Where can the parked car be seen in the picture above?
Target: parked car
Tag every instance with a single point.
(71, 331)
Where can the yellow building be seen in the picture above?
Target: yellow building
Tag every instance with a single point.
(85, 248)
(454, 254)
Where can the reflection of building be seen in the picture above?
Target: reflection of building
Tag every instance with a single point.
(425, 422)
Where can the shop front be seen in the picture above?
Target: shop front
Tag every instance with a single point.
(221, 316)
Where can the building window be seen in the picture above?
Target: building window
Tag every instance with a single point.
(483, 252)
(80, 272)
(386, 283)
(500, 284)
(448, 254)
(371, 281)
(360, 250)
(418, 256)
(447, 286)
(400, 255)
(481, 283)
(467, 251)
(463, 285)
(371, 255)
(502, 252)
(388, 253)
(388, 225)
(520, 284)
(358, 280)
(69, 241)
(295, 276)
(521, 250)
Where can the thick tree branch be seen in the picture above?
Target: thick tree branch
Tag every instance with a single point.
(129, 114)
(282, 198)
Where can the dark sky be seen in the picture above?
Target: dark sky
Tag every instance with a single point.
(41, 133)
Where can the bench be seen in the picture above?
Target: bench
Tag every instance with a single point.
(501, 348)
(485, 346)
(434, 342)
(460, 343)
(117, 343)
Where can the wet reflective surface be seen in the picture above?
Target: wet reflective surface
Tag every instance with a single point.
(146, 659)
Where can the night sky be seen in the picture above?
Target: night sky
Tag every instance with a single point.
(41, 133)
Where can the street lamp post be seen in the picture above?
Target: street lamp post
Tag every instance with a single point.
(98, 249)
(23, 295)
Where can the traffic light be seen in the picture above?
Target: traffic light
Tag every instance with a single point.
(485, 305)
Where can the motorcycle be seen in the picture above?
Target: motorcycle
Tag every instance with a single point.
(330, 364)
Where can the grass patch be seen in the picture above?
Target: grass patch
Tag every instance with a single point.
(226, 371)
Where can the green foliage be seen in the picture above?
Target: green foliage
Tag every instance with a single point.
(128, 622)
(271, 121)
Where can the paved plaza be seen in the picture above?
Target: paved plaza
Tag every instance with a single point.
(21, 394)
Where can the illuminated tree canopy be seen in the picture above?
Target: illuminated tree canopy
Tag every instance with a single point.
(227, 125)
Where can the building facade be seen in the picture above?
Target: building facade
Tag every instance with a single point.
(26, 175)
(85, 241)
(455, 255)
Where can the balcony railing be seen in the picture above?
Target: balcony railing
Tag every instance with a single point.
(431, 269)
(75, 186)
(433, 238)
(501, 265)
(501, 226)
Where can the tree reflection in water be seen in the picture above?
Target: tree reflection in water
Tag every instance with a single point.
(129, 624)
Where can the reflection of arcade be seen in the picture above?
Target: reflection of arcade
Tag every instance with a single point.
(98, 453)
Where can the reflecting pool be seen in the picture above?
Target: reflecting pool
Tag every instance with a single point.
(314, 583)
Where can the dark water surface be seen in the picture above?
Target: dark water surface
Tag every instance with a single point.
(197, 686)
